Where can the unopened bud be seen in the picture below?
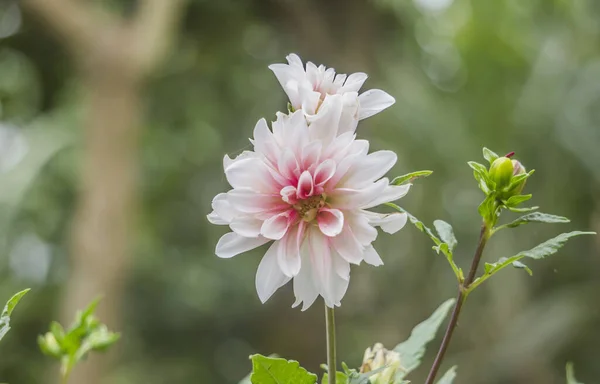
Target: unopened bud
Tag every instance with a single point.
(379, 357)
(49, 345)
(501, 171)
(518, 169)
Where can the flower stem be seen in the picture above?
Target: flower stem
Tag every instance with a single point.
(330, 327)
(462, 295)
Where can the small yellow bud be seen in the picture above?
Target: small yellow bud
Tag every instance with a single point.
(501, 172)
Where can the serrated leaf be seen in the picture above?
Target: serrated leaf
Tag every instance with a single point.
(519, 265)
(271, 370)
(489, 155)
(487, 208)
(7, 311)
(540, 251)
(571, 375)
(412, 350)
(448, 377)
(519, 178)
(446, 233)
(409, 177)
(479, 168)
(537, 217)
(513, 201)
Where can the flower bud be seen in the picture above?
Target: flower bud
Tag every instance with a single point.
(379, 357)
(518, 169)
(501, 172)
(49, 345)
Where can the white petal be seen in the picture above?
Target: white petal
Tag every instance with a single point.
(294, 60)
(223, 208)
(389, 223)
(346, 198)
(354, 82)
(305, 185)
(311, 154)
(251, 173)
(348, 246)
(331, 221)
(246, 226)
(275, 227)
(369, 169)
(287, 164)
(373, 101)
(325, 124)
(320, 256)
(324, 172)
(349, 115)
(364, 232)
(248, 201)
(269, 277)
(288, 254)
(264, 142)
(305, 289)
(390, 193)
(213, 218)
(372, 257)
(341, 266)
(232, 244)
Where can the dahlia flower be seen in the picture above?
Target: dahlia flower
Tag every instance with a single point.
(307, 189)
(311, 90)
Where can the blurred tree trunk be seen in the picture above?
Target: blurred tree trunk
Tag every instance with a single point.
(113, 57)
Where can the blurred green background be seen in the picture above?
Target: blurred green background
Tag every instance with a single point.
(511, 75)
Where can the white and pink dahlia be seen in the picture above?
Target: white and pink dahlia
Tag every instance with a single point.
(308, 192)
(311, 89)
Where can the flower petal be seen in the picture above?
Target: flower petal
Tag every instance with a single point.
(305, 185)
(223, 208)
(373, 101)
(389, 223)
(264, 142)
(275, 227)
(232, 244)
(269, 277)
(253, 173)
(354, 82)
(246, 226)
(369, 169)
(390, 193)
(346, 198)
(324, 172)
(372, 257)
(305, 288)
(247, 201)
(320, 257)
(341, 266)
(331, 221)
(348, 246)
(288, 254)
(214, 218)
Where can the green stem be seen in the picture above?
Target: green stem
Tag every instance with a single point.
(330, 327)
(462, 295)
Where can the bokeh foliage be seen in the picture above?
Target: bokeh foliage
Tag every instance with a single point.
(511, 75)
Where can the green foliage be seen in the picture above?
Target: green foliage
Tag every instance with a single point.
(448, 377)
(541, 251)
(536, 217)
(440, 246)
(86, 334)
(410, 177)
(340, 378)
(446, 233)
(412, 350)
(571, 374)
(271, 370)
(7, 311)
(489, 155)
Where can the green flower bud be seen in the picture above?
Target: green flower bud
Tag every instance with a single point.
(379, 357)
(49, 345)
(501, 172)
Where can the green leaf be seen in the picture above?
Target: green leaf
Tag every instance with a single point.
(340, 378)
(537, 217)
(487, 208)
(571, 375)
(362, 378)
(446, 233)
(518, 179)
(479, 168)
(513, 201)
(412, 350)
(8, 309)
(541, 251)
(489, 155)
(448, 377)
(519, 265)
(410, 177)
(522, 210)
(246, 380)
(271, 370)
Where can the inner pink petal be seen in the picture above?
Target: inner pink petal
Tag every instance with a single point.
(305, 185)
(324, 172)
(331, 221)
(275, 227)
(288, 194)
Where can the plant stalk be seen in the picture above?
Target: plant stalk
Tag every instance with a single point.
(460, 299)
(331, 358)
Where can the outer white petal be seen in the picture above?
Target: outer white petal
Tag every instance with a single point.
(213, 218)
(276, 226)
(247, 201)
(389, 223)
(305, 289)
(232, 244)
(346, 198)
(331, 221)
(362, 230)
(246, 226)
(349, 117)
(264, 142)
(322, 263)
(269, 277)
(288, 255)
(373, 101)
(251, 173)
(390, 193)
(372, 257)
(223, 208)
(371, 168)
(348, 246)
(325, 124)
(341, 266)
(354, 82)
